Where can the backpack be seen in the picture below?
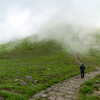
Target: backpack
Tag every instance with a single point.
(82, 68)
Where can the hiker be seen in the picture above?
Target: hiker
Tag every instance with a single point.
(82, 68)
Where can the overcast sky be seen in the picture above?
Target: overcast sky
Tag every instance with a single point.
(22, 18)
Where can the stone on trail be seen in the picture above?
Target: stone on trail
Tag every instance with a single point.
(60, 98)
(52, 98)
(57, 90)
(51, 93)
(59, 94)
(49, 89)
(74, 98)
(37, 96)
(68, 96)
(44, 95)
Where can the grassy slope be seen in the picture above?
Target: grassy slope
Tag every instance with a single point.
(90, 89)
(46, 62)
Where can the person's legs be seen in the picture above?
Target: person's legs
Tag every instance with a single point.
(81, 75)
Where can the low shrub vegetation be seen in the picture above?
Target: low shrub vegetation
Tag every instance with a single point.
(29, 68)
(90, 89)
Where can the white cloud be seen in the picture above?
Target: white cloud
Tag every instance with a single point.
(22, 18)
(20, 23)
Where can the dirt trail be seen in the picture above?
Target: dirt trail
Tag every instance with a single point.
(76, 58)
(66, 90)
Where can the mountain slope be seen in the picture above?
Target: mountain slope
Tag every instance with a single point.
(26, 68)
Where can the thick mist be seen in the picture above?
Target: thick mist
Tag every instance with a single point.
(72, 23)
(71, 37)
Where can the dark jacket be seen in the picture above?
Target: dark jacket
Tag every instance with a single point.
(82, 68)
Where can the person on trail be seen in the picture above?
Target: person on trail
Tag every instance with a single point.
(82, 68)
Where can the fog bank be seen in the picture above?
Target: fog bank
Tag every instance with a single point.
(73, 23)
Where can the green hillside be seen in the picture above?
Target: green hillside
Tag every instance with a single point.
(26, 49)
(27, 68)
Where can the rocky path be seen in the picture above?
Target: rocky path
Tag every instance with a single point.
(66, 90)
